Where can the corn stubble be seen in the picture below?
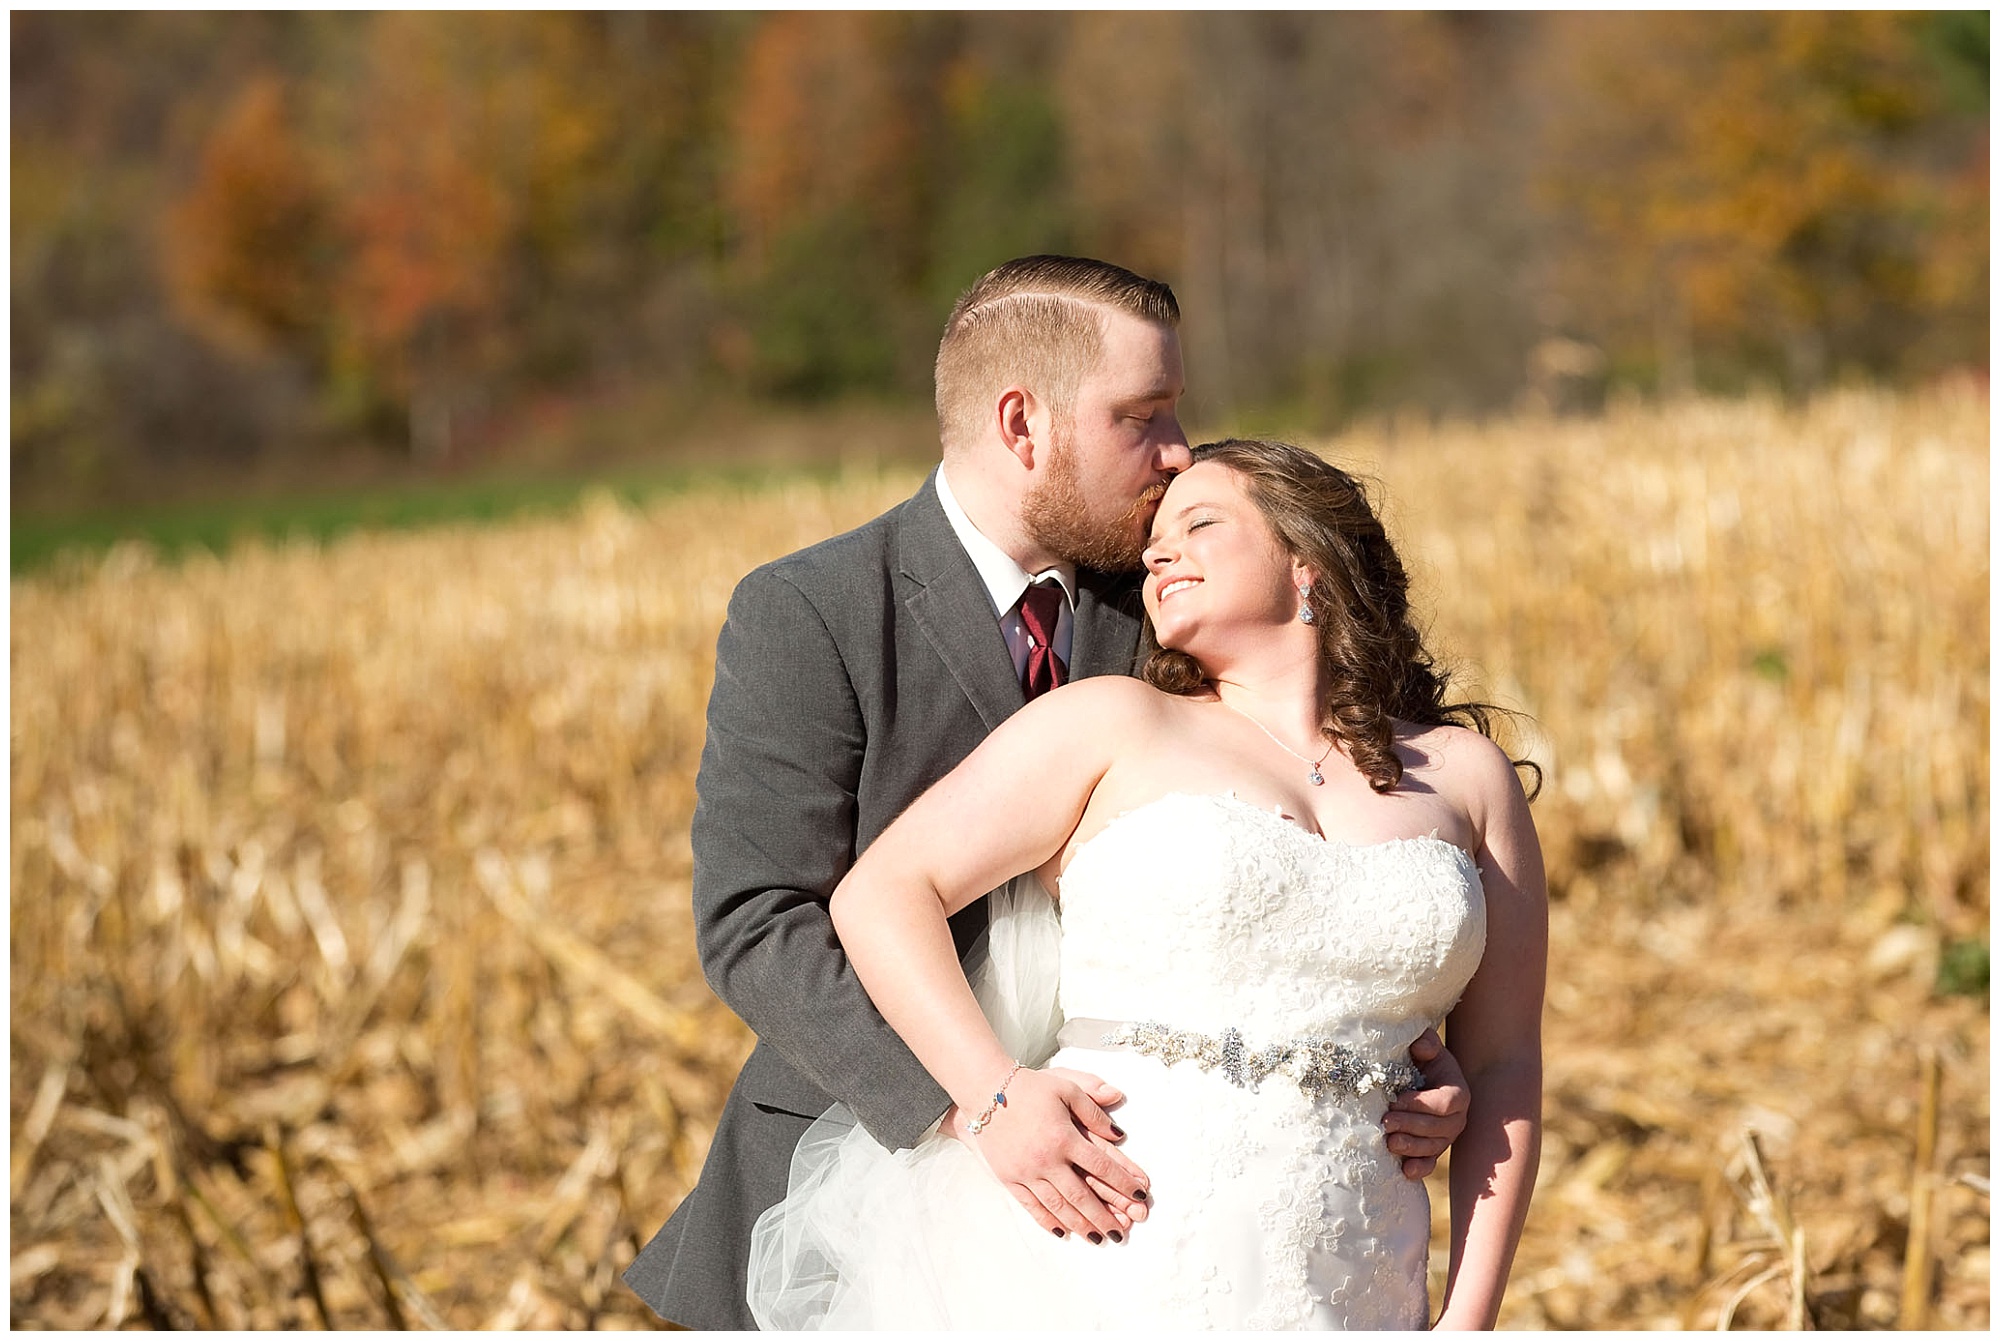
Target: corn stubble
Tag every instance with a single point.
(354, 984)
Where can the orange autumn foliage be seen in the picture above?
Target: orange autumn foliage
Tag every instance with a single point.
(239, 249)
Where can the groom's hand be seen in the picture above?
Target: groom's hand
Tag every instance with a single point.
(1422, 1123)
(1055, 1149)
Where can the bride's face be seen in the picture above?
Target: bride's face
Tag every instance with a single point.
(1214, 565)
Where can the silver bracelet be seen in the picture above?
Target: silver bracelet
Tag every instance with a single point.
(978, 1124)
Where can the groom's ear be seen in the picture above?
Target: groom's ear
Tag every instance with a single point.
(1023, 423)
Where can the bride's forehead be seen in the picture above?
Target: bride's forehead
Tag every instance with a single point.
(1205, 487)
(1204, 481)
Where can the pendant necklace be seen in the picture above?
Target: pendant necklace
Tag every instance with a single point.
(1318, 779)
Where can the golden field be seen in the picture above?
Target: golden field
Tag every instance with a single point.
(352, 968)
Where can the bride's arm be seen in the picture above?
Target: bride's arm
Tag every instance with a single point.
(1496, 1032)
(1009, 807)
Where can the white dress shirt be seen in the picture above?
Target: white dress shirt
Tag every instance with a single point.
(1005, 580)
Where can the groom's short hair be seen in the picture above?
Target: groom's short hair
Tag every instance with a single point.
(1035, 321)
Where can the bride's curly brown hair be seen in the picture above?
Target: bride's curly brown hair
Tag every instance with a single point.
(1377, 670)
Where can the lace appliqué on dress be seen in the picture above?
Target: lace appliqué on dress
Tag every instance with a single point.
(1272, 933)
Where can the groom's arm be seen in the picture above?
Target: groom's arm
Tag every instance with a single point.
(773, 833)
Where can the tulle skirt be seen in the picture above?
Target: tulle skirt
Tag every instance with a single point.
(1268, 1211)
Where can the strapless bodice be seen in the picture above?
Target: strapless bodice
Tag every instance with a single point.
(1206, 912)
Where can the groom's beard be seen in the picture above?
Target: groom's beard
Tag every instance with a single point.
(1058, 517)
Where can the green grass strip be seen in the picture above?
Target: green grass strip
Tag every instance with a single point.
(213, 526)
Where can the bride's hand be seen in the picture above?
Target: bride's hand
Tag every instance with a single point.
(1054, 1148)
(1422, 1123)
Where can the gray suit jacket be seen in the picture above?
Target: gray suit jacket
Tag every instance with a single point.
(848, 678)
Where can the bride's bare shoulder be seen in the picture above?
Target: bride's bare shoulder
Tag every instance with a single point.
(1461, 764)
(1116, 712)
(1118, 699)
(1459, 751)
(1110, 690)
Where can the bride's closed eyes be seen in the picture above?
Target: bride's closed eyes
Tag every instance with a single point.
(1197, 524)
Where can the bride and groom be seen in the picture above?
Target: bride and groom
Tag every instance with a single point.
(1278, 859)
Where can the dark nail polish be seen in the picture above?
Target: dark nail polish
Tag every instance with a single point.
(1096, 1237)
(1060, 1232)
(1139, 1195)
(1116, 1237)
(1118, 1131)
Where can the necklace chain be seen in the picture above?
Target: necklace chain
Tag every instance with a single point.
(1317, 778)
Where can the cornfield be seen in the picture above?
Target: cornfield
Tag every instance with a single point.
(353, 979)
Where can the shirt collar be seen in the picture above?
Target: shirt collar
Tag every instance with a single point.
(1005, 579)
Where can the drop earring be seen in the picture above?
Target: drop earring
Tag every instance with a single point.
(1305, 608)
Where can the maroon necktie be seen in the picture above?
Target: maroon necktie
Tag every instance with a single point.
(1045, 670)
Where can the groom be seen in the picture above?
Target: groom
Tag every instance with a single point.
(853, 674)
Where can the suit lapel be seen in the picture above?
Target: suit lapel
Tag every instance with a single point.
(954, 611)
(1106, 638)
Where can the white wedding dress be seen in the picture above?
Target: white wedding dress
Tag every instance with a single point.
(1270, 1208)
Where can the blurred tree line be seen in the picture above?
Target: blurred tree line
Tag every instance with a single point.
(239, 235)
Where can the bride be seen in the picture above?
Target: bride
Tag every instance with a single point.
(1279, 860)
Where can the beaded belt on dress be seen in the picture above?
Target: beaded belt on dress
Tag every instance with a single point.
(1316, 1065)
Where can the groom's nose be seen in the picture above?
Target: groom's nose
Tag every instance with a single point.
(1174, 454)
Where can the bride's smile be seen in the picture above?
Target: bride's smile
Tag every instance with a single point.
(1208, 536)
